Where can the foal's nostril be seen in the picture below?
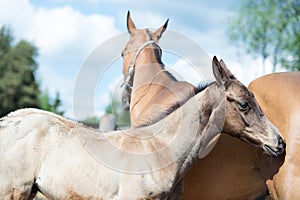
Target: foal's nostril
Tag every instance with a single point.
(281, 144)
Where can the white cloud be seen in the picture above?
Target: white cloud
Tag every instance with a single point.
(247, 69)
(184, 71)
(63, 85)
(103, 96)
(147, 20)
(57, 30)
(65, 29)
(64, 37)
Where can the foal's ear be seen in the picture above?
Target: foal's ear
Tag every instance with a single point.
(130, 25)
(221, 74)
(228, 72)
(158, 33)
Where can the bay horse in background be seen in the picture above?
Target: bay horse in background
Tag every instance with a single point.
(234, 169)
(278, 95)
(58, 157)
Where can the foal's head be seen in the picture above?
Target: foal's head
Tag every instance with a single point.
(244, 118)
(141, 48)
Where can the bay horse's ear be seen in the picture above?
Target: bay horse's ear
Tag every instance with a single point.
(228, 72)
(219, 72)
(158, 33)
(130, 25)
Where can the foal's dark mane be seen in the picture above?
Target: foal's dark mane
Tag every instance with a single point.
(203, 85)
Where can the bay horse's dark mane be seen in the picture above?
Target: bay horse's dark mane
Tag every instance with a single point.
(201, 86)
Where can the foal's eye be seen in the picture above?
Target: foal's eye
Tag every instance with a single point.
(244, 106)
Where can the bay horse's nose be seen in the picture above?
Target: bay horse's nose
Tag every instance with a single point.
(281, 145)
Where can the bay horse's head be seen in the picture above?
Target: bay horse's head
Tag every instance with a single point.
(141, 41)
(244, 118)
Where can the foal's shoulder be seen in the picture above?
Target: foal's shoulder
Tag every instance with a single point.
(38, 114)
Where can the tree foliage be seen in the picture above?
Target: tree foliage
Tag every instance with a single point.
(92, 120)
(270, 29)
(18, 85)
(116, 108)
(50, 104)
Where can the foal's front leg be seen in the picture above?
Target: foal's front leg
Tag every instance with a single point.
(177, 192)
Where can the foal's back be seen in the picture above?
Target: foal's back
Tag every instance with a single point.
(42, 149)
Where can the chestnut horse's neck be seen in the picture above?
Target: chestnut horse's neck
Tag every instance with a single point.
(130, 70)
(146, 65)
(154, 90)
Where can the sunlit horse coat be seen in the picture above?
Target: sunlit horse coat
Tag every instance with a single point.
(155, 92)
(65, 160)
(279, 96)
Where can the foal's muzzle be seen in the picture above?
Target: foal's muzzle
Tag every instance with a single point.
(277, 150)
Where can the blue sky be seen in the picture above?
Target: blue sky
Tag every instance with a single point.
(66, 32)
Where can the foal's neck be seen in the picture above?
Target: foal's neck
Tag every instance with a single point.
(194, 128)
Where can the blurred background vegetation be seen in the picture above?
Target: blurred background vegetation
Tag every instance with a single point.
(269, 29)
(116, 108)
(18, 85)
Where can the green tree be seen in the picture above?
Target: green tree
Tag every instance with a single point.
(18, 85)
(116, 108)
(270, 29)
(50, 104)
(91, 122)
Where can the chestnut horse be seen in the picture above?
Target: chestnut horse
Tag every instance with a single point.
(233, 170)
(279, 96)
(65, 160)
(153, 90)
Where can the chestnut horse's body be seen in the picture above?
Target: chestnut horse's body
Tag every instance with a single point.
(279, 97)
(233, 170)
